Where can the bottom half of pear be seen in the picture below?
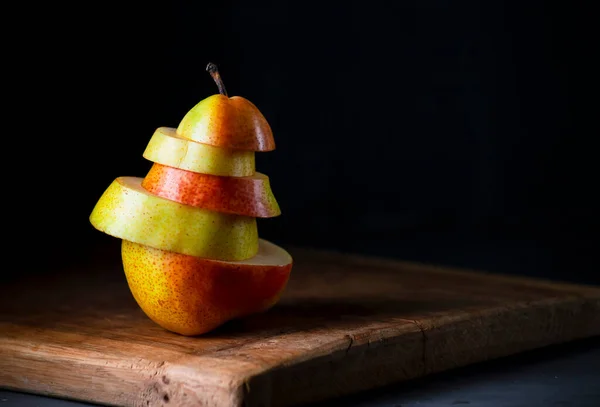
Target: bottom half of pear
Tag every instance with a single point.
(191, 295)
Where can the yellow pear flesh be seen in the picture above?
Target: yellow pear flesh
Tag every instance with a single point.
(127, 211)
(168, 148)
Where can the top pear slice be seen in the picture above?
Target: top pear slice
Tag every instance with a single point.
(228, 122)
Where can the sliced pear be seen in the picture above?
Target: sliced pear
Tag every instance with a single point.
(228, 122)
(168, 148)
(249, 196)
(128, 211)
(190, 295)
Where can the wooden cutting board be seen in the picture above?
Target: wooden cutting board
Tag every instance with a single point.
(346, 323)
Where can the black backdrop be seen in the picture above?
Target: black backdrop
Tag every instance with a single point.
(455, 132)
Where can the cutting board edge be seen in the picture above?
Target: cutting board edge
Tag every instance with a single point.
(421, 361)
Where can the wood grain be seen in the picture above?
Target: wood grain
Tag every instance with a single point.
(346, 323)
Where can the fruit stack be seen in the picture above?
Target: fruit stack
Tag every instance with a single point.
(190, 247)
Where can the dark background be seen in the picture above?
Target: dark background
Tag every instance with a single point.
(454, 132)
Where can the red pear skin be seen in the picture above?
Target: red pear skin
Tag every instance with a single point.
(228, 122)
(249, 196)
(190, 295)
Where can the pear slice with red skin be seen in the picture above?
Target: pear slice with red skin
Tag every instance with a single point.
(228, 122)
(167, 148)
(191, 295)
(248, 196)
(127, 211)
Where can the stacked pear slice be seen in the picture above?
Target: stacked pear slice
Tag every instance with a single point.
(190, 246)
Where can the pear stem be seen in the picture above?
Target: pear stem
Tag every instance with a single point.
(214, 72)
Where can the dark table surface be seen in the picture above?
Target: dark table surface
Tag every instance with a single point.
(566, 375)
